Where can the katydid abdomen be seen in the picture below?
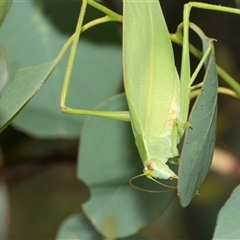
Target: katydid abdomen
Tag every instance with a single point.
(155, 151)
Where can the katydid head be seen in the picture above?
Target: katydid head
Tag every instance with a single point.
(155, 168)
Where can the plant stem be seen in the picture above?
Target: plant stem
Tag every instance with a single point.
(112, 15)
(177, 38)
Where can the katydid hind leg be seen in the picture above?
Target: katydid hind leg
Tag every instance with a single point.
(117, 115)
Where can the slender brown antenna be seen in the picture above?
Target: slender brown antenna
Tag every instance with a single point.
(150, 191)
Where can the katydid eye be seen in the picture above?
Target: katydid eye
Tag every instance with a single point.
(150, 166)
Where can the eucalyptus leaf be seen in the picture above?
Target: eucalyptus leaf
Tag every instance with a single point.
(108, 160)
(228, 218)
(199, 139)
(25, 85)
(36, 40)
(79, 227)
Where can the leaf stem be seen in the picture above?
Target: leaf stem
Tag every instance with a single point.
(178, 39)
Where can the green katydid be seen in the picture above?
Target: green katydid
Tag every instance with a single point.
(158, 101)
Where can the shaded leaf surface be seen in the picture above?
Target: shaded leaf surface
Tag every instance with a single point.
(25, 85)
(78, 227)
(199, 140)
(108, 160)
(229, 218)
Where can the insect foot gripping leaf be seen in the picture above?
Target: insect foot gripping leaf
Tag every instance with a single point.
(151, 86)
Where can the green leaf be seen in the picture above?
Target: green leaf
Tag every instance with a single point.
(199, 139)
(108, 160)
(79, 227)
(228, 218)
(3, 68)
(4, 9)
(96, 76)
(25, 85)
